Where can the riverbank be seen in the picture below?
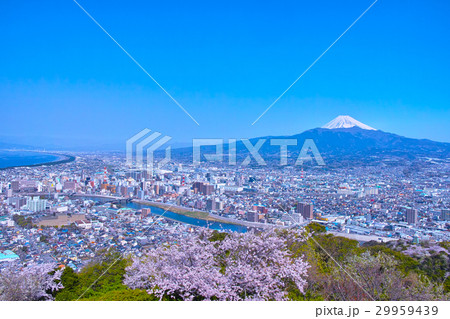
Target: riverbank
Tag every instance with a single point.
(197, 214)
(363, 238)
(186, 216)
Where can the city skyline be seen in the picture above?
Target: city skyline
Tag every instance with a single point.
(69, 84)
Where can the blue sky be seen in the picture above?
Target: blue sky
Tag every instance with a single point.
(63, 81)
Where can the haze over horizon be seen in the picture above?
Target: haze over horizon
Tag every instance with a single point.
(64, 82)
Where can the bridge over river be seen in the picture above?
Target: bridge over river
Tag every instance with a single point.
(174, 212)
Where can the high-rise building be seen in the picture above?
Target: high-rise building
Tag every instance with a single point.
(207, 189)
(210, 204)
(306, 210)
(138, 175)
(123, 190)
(36, 204)
(141, 195)
(17, 202)
(411, 216)
(252, 216)
(156, 188)
(197, 186)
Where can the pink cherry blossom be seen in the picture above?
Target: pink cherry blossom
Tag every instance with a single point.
(240, 267)
(33, 282)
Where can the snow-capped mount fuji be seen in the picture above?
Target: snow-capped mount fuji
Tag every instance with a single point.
(346, 121)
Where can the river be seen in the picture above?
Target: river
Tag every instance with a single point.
(190, 220)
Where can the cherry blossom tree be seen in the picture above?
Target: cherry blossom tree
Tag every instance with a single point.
(34, 282)
(239, 267)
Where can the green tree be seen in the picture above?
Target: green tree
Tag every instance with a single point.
(100, 280)
(316, 228)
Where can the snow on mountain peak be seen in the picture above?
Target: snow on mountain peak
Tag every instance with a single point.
(345, 121)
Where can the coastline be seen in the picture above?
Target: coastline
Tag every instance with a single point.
(61, 159)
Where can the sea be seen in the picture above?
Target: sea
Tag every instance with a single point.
(11, 158)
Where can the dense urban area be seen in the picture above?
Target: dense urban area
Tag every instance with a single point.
(65, 213)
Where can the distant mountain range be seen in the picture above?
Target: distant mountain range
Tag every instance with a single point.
(343, 138)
